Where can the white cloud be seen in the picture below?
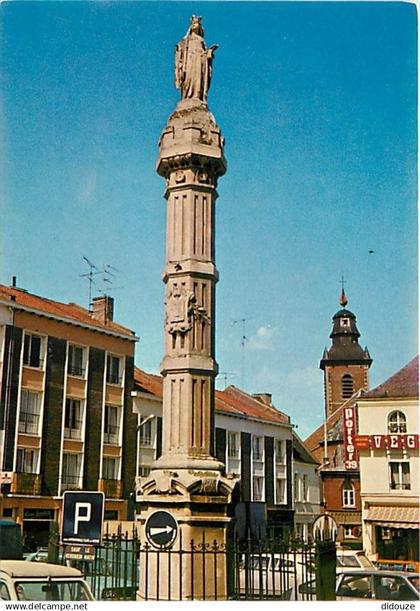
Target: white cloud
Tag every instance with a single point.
(264, 339)
(298, 392)
(87, 186)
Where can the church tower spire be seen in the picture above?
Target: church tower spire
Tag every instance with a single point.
(345, 364)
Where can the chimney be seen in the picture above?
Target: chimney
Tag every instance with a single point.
(264, 397)
(13, 281)
(103, 309)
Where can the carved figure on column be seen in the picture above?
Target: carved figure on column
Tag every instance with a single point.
(181, 309)
(178, 310)
(193, 63)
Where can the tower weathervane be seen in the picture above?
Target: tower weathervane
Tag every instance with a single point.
(343, 297)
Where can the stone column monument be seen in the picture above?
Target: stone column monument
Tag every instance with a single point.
(187, 481)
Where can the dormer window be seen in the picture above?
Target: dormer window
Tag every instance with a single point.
(345, 322)
(397, 422)
(347, 386)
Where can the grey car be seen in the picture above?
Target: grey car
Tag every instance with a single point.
(377, 585)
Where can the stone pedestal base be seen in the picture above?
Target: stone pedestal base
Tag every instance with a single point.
(195, 567)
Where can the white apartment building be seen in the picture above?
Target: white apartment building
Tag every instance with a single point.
(388, 445)
(278, 478)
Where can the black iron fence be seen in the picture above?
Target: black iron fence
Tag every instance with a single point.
(274, 570)
(124, 568)
(114, 572)
(190, 570)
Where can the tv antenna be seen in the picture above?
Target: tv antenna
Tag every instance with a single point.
(224, 375)
(244, 339)
(106, 276)
(109, 273)
(93, 271)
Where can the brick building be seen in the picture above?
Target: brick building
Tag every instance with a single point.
(66, 418)
(279, 485)
(345, 365)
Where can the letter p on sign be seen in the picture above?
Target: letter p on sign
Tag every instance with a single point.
(81, 514)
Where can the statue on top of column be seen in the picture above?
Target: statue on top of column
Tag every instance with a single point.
(193, 63)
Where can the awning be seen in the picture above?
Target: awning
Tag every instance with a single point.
(353, 518)
(394, 516)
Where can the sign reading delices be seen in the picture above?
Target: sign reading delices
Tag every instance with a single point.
(349, 429)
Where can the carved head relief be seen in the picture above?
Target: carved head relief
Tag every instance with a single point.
(179, 176)
(203, 177)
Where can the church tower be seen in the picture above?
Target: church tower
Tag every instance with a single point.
(345, 364)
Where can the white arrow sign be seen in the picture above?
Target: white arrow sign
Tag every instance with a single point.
(158, 531)
(161, 529)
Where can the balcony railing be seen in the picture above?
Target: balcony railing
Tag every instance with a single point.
(112, 434)
(34, 363)
(76, 370)
(145, 440)
(73, 432)
(400, 485)
(28, 423)
(71, 482)
(26, 483)
(113, 378)
(112, 488)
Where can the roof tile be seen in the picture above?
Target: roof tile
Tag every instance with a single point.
(231, 400)
(404, 383)
(72, 311)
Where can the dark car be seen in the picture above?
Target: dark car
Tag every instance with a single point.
(378, 585)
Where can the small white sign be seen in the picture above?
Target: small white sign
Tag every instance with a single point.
(6, 477)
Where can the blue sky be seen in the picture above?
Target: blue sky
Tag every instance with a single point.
(317, 102)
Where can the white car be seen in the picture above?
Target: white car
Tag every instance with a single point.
(365, 584)
(274, 575)
(22, 580)
(378, 585)
(352, 559)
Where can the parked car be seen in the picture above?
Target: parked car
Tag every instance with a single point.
(378, 585)
(373, 584)
(113, 574)
(10, 540)
(22, 580)
(274, 575)
(349, 558)
(110, 577)
(41, 555)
